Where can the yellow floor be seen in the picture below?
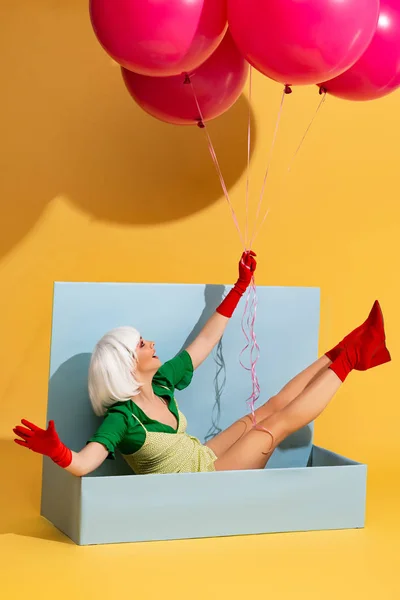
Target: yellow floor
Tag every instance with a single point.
(37, 561)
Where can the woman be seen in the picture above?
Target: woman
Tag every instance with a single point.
(135, 394)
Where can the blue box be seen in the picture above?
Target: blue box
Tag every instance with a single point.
(303, 487)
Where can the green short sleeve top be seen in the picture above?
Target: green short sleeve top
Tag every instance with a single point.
(120, 431)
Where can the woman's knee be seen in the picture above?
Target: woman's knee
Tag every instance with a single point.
(278, 425)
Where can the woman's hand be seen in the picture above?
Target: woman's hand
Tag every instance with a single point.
(43, 441)
(247, 266)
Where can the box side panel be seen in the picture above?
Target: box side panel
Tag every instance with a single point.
(61, 499)
(164, 507)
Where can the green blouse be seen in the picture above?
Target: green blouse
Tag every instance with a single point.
(121, 431)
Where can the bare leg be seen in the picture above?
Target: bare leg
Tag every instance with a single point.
(254, 449)
(301, 381)
(224, 440)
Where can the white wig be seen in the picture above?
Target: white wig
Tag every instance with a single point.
(112, 368)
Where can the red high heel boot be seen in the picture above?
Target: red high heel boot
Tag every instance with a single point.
(374, 321)
(366, 353)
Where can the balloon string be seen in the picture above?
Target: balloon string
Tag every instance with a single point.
(323, 92)
(250, 308)
(202, 125)
(251, 293)
(286, 91)
(248, 154)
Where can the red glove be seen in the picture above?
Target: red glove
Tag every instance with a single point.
(247, 266)
(44, 441)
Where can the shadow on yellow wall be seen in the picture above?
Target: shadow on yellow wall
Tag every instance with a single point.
(72, 129)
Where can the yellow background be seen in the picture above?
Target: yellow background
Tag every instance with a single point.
(94, 190)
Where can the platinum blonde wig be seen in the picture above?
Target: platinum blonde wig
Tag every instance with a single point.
(112, 369)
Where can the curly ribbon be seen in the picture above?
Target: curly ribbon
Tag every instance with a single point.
(248, 328)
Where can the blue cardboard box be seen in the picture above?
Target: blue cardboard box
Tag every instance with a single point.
(303, 487)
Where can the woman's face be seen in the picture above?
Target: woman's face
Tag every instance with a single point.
(148, 361)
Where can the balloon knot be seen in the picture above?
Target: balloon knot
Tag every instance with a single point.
(288, 89)
(322, 90)
(200, 124)
(187, 79)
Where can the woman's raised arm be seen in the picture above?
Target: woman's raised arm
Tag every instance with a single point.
(214, 329)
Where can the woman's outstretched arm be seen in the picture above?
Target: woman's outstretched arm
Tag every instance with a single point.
(88, 459)
(214, 329)
(47, 442)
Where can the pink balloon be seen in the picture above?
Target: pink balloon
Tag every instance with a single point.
(217, 84)
(302, 41)
(377, 72)
(159, 37)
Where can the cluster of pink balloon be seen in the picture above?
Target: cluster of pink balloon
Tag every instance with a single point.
(349, 48)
